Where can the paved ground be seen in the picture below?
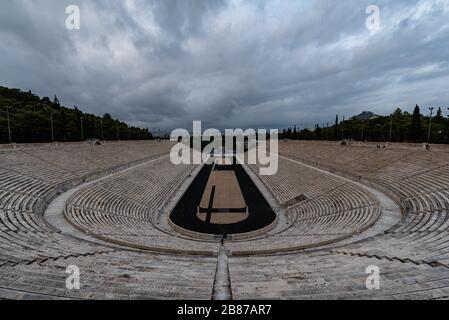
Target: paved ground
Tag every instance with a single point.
(227, 191)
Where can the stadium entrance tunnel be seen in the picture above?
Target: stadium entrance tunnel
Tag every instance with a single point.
(222, 201)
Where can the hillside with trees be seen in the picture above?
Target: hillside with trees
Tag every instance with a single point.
(400, 126)
(32, 119)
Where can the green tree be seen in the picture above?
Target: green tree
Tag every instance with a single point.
(56, 102)
(318, 132)
(336, 128)
(30, 118)
(439, 116)
(416, 127)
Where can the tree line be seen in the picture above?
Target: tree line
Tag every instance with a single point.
(35, 119)
(400, 126)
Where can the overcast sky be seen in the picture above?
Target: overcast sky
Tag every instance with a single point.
(230, 63)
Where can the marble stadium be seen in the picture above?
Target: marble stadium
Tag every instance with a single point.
(139, 227)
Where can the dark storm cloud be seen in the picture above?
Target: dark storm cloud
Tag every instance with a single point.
(229, 63)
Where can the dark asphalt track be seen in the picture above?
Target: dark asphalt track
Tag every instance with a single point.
(260, 212)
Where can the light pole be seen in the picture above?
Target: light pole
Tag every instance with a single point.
(9, 125)
(430, 124)
(363, 130)
(391, 127)
(101, 129)
(82, 129)
(51, 125)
